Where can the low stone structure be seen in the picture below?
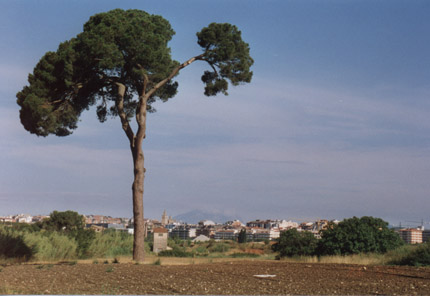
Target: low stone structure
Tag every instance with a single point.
(160, 239)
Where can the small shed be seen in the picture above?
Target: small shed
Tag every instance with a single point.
(160, 239)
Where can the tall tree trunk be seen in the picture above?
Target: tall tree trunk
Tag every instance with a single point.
(138, 167)
(138, 183)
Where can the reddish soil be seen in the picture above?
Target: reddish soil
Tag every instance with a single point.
(215, 278)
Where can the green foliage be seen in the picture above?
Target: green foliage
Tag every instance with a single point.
(219, 248)
(42, 245)
(201, 250)
(175, 252)
(418, 255)
(12, 245)
(358, 235)
(115, 46)
(228, 55)
(293, 243)
(72, 224)
(111, 244)
(51, 245)
(174, 241)
(244, 255)
(46, 105)
(67, 221)
(129, 47)
(84, 239)
(25, 227)
(241, 238)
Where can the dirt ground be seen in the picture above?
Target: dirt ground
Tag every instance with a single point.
(236, 277)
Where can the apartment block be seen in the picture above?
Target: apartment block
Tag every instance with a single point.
(411, 235)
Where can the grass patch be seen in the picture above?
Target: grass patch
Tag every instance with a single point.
(219, 248)
(175, 252)
(51, 246)
(244, 255)
(111, 244)
(9, 291)
(361, 259)
(413, 255)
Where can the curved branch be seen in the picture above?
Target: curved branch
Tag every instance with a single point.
(120, 107)
(173, 74)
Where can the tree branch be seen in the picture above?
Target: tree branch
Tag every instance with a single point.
(143, 99)
(145, 79)
(173, 73)
(120, 107)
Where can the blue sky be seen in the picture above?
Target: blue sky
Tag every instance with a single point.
(334, 124)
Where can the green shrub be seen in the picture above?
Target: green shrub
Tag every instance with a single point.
(219, 248)
(293, 243)
(51, 245)
(39, 245)
(175, 252)
(415, 256)
(242, 237)
(84, 239)
(358, 235)
(201, 250)
(111, 244)
(12, 245)
(244, 255)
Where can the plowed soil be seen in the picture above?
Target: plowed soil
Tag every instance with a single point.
(237, 278)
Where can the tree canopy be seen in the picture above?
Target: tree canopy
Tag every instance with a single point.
(294, 243)
(67, 221)
(242, 237)
(129, 47)
(358, 235)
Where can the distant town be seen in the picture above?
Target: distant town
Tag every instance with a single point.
(257, 230)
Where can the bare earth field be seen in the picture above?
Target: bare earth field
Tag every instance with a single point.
(236, 277)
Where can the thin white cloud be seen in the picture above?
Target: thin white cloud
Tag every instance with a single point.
(78, 159)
